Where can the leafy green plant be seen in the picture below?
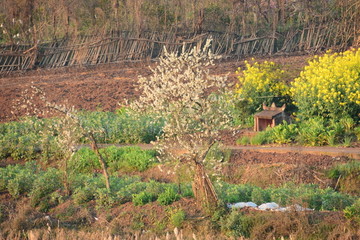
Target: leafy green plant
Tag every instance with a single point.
(84, 161)
(335, 201)
(237, 224)
(260, 138)
(128, 159)
(283, 133)
(168, 196)
(243, 141)
(104, 198)
(353, 212)
(312, 132)
(45, 183)
(143, 198)
(176, 217)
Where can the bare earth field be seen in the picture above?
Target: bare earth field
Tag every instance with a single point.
(101, 87)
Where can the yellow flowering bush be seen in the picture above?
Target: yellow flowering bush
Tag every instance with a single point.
(261, 83)
(329, 86)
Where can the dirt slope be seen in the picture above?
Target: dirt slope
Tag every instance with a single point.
(101, 87)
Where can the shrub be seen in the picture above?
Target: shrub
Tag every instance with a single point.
(261, 138)
(353, 212)
(260, 196)
(283, 133)
(18, 179)
(237, 224)
(142, 198)
(104, 198)
(84, 161)
(329, 86)
(243, 141)
(313, 132)
(128, 159)
(46, 183)
(231, 193)
(176, 217)
(168, 197)
(260, 83)
(335, 201)
(21, 184)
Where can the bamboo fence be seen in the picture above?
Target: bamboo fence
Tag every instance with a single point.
(129, 46)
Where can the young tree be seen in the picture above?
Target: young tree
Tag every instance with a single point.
(192, 102)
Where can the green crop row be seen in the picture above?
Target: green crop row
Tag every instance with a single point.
(316, 131)
(47, 188)
(34, 138)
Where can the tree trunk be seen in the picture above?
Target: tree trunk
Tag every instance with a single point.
(95, 148)
(203, 188)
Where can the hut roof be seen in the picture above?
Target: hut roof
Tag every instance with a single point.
(268, 114)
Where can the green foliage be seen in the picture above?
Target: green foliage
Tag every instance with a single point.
(176, 217)
(44, 184)
(283, 133)
(260, 138)
(124, 159)
(34, 138)
(351, 168)
(329, 86)
(353, 212)
(312, 132)
(122, 126)
(84, 161)
(231, 193)
(128, 159)
(168, 196)
(143, 198)
(334, 201)
(237, 224)
(104, 198)
(260, 196)
(243, 141)
(308, 195)
(18, 179)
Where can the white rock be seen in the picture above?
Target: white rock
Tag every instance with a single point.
(268, 206)
(251, 204)
(242, 205)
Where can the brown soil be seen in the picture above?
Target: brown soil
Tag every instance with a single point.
(101, 87)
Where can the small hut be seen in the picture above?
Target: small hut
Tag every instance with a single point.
(270, 117)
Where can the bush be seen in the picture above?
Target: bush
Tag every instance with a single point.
(237, 224)
(176, 217)
(18, 179)
(329, 86)
(124, 159)
(261, 83)
(84, 161)
(45, 183)
(313, 132)
(334, 201)
(168, 197)
(143, 198)
(283, 133)
(353, 212)
(128, 159)
(261, 138)
(104, 198)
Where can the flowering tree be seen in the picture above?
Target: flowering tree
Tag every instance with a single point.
(193, 105)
